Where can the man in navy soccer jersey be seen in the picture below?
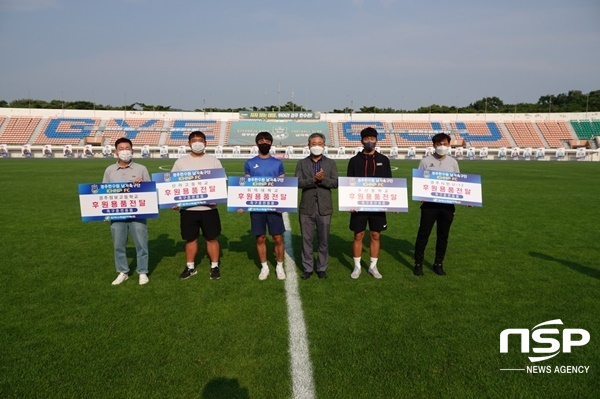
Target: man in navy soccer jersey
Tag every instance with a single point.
(264, 165)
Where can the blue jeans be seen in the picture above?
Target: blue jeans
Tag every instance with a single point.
(139, 233)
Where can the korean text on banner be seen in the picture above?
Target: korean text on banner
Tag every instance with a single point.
(446, 187)
(191, 188)
(118, 201)
(263, 194)
(372, 194)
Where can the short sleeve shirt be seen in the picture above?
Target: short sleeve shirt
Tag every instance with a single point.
(116, 173)
(446, 164)
(263, 167)
(189, 162)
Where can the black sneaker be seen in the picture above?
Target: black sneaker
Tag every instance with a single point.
(305, 275)
(215, 274)
(322, 274)
(187, 273)
(439, 269)
(418, 270)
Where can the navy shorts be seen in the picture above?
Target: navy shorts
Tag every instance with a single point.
(260, 220)
(377, 221)
(191, 222)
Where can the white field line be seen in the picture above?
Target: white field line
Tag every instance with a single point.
(301, 368)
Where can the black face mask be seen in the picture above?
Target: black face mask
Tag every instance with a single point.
(264, 148)
(369, 146)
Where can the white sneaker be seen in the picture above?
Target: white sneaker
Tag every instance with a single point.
(280, 272)
(120, 278)
(264, 273)
(355, 272)
(144, 279)
(374, 272)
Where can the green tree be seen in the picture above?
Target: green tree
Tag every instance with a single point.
(345, 110)
(572, 101)
(488, 104)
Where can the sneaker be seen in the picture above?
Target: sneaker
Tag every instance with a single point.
(215, 274)
(418, 270)
(144, 279)
(374, 272)
(264, 273)
(120, 278)
(322, 274)
(439, 269)
(355, 272)
(187, 273)
(280, 272)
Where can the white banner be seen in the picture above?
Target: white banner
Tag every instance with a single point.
(372, 194)
(191, 188)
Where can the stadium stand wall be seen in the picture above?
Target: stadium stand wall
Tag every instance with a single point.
(95, 129)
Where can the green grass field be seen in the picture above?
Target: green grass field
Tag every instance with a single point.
(529, 255)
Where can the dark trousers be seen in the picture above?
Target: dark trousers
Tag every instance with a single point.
(307, 230)
(443, 215)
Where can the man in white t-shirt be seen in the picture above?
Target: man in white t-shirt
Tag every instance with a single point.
(199, 218)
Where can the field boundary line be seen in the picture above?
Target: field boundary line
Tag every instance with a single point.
(300, 364)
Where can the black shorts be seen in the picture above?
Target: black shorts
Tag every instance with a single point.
(260, 220)
(377, 221)
(191, 222)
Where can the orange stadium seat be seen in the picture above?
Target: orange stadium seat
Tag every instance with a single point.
(556, 133)
(331, 138)
(19, 129)
(524, 134)
(227, 131)
(481, 134)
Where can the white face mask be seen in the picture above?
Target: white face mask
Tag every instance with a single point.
(125, 155)
(316, 150)
(198, 147)
(441, 150)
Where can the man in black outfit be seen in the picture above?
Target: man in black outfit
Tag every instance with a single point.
(368, 163)
(435, 212)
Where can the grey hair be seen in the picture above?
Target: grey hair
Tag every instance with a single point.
(316, 134)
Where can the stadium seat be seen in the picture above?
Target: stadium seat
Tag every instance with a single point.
(62, 131)
(481, 134)
(19, 129)
(524, 134)
(556, 133)
(349, 133)
(586, 129)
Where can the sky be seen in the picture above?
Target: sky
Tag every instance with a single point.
(320, 54)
